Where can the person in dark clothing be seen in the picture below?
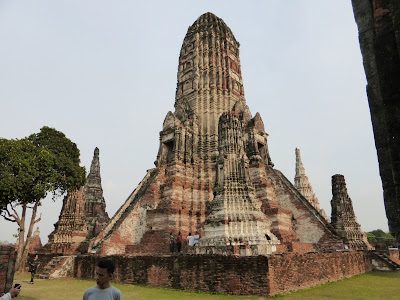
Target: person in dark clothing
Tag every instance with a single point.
(171, 242)
(178, 242)
(33, 265)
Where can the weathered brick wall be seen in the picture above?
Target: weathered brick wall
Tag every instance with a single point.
(309, 225)
(394, 256)
(215, 274)
(293, 271)
(251, 275)
(7, 262)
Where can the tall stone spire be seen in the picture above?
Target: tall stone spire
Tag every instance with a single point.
(343, 218)
(82, 215)
(209, 73)
(302, 183)
(95, 206)
(71, 228)
(209, 79)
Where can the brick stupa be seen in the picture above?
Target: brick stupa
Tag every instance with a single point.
(83, 215)
(35, 243)
(343, 218)
(302, 183)
(213, 171)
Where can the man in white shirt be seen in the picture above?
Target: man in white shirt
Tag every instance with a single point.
(196, 238)
(103, 290)
(190, 238)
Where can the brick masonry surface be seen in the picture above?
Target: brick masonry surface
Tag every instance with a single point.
(7, 262)
(251, 275)
(394, 256)
(379, 35)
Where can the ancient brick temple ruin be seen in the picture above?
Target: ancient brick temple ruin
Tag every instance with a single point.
(302, 183)
(379, 34)
(83, 215)
(213, 170)
(343, 218)
(213, 174)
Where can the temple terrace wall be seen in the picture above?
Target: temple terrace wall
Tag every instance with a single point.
(7, 261)
(251, 275)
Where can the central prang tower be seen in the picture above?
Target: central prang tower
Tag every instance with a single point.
(213, 170)
(218, 138)
(209, 78)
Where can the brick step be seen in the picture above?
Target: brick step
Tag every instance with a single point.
(386, 258)
(45, 273)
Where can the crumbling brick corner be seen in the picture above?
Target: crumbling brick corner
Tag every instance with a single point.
(7, 263)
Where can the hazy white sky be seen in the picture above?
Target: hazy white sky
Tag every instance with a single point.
(104, 73)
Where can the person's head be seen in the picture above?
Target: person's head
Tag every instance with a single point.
(170, 233)
(36, 257)
(190, 233)
(104, 271)
(179, 233)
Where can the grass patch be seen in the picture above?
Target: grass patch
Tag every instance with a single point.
(373, 285)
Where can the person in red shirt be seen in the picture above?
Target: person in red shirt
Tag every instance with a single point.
(178, 242)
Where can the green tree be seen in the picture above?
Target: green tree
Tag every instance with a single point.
(30, 169)
(379, 235)
(371, 237)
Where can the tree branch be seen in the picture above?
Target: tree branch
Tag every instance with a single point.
(38, 219)
(15, 215)
(12, 217)
(7, 218)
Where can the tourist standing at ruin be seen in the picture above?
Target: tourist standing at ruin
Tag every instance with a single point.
(190, 239)
(196, 238)
(103, 290)
(178, 242)
(33, 265)
(171, 242)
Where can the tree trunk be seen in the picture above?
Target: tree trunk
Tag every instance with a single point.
(24, 256)
(19, 266)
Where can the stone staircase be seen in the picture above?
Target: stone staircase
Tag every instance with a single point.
(58, 267)
(382, 262)
(45, 273)
(125, 209)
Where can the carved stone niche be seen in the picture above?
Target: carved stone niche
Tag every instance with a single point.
(243, 110)
(167, 140)
(187, 66)
(166, 152)
(262, 150)
(169, 121)
(188, 86)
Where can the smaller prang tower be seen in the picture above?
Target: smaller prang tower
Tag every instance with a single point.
(303, 185)
(343, 218)
(83, 215)
(95, 206)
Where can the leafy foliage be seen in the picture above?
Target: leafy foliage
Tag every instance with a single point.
(371, 237)
(32, 167)
(67, 175)
(379, 235)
